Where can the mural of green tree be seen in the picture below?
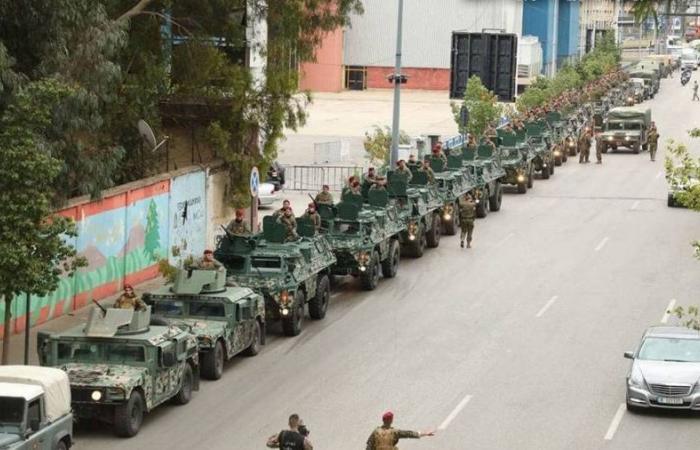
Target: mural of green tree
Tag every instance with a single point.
(152, 244)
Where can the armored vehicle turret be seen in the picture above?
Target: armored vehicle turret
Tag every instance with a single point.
(121, 367)
(227, 320)
(289, 275)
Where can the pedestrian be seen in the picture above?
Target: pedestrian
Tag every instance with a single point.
(313, 216)
(386, 437)
(129, 300)
(238, 225)
(695, 90)
(295, 438)
(467, 215)
(325, 197)
(653, 139)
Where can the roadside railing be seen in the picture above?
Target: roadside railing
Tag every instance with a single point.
(312, 178)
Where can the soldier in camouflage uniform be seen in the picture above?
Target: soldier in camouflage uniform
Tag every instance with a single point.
(129, 300)
(207, 262)
(238, 225)
(402, 172)
(653, 139)
(290, 224)
(428, 171)
(325, 197)
(584, 146)
(379, 185)
(467, 215)
(412, 161)
(438, 155)
(386, 437)
(313, 216)
(285, 205)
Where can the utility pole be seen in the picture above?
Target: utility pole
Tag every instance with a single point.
(555, 32)
(394, 155)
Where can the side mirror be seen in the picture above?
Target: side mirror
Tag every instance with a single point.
(169, 359)
(34, 425)
(629, 355)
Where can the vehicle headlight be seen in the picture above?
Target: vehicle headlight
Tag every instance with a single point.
(412, 231)
(636, 379)
(627, 138)
(285, 311)
(629, 99)
(521, 178)
(96, 395)
(610, 138)
(557, 153)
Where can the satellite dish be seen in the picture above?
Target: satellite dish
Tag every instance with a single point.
(147, 134)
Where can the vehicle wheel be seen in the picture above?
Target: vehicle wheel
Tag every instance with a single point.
(433, 235)
(449, 227)
(671, 201)
(604, 149)
(370, 277)
(558, 160)
(416, 248)
(390, 266)
(530, 178)
(565, 157)
(635, 149)
(254, 347)
(291, 325)
(522, 187)
(496, 198)
(128, 416)
(213, 362)
(545, 173)
(319, 304)
(61, 445)
(482, 207)
(551, 169)
(184, 395)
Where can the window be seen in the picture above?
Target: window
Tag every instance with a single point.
(121, 353)
(265, 262)
(11, 410)
(207, 309)
(356, 78)
(168, 308)
(34, 411)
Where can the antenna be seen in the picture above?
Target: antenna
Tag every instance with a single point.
(147, 134)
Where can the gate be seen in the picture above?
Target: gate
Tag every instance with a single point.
(312, 178)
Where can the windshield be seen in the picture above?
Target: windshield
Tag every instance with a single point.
(266, 263)
(623, 126)
(168, 307)
(11, 414)
(100, 352)
(207, 309)
(669, 349)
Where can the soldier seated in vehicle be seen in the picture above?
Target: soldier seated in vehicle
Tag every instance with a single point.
(285, 204)
(238, 225)
(412, 161)
(508, 129)
(206, 262)
(428, 171)
(379, 185)
(437, 155)
(324, 197)
(290, 224)
(402, 172)
(313, 216)
(129, 300)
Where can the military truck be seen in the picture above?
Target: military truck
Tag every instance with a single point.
(288, 274)
(365, 238)
(121, 367)
(650, 77)
(640, 90)
(227, 320)
(540, 144)
(419, 206)
(625, 127)
(35, 412)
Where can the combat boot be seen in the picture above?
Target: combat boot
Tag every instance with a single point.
(461, 244)
(469, 244)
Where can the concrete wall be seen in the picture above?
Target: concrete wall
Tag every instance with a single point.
(418, 78)
(326, 74)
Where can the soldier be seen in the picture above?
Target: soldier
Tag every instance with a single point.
(584, 146)
(467, 215)
(370, 176)
(412, 161)
(325, 197)
(296, 438)
(653, 139)
(290, 224)
(402, 172)
(285, 205)
(508, 129)
(491, 134)
(437, 155)
(348, 187)
(353, 193)
(386, 437)
(428, 171)
(380, 185)
(206, 262)
(238, 225)
(598, 151)
(129, 300)
(471, 142)
(312, 215)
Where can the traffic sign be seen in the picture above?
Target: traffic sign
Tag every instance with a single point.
(254, 182)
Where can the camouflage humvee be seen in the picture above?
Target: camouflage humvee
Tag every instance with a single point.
(120, 367)
(226, 320)
(288, 275)
(365, 238)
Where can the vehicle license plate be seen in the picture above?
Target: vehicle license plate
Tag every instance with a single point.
(670, 401)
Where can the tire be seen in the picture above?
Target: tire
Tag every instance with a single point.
(671, 201)
(558, 160)
(604, 149)
(545, 172)
(565, 157)
(61, 445)
(449, 227)
(416, 248)
(128, 416)
(551, 169)
(635, 149)
(482, 208)
(530, 178)
(496, 198)
(645, 147)
(254, 347)
(433, 236)
(213, 362)
(390, 266)
(184, 395)
(370, 277)
(522, 187)
(319, 304)
(292, 324)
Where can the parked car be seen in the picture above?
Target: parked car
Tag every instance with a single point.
(275, 175)
(665, 370)
(267, 194)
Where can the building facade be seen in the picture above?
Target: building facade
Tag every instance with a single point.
(556, 24)
(597, 18)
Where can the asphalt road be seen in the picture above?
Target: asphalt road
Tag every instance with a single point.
(514, 344)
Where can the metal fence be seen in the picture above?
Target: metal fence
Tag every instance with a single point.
(312, 178)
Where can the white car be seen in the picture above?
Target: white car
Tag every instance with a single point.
(266, 194)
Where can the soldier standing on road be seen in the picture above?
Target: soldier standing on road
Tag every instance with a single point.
(296, 438)
(386, 437)
(402, 172)
(290, 224)
(598, 152)
(584, 147)
(313, 216)
(129, 300)
(653, 139)
(695, 90)
(467, 215)
(238, 225)
(325, 197)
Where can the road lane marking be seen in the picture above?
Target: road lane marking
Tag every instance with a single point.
(443, 426)
(615, 422)
(635, 205)
(669, 311)
(503, 241)
(658, 175)
(546, 306)
(602, 243)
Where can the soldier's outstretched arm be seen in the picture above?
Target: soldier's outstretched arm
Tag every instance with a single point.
(370, 442)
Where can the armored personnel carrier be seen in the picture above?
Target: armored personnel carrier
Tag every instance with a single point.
(515, 159)
(121, 367)
(558, 124)
(365, 238)
(453, 181)
(289, 275)
(226, 320)
(539, 138)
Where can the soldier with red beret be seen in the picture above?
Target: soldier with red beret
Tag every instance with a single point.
(386, 437)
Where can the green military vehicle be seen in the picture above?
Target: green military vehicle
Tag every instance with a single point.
(419, 206)
(121, 367)
(650, 79)
(514, 159)
(35, 408)
(365, 237)
(625, 127)
(289, 275)
(539, 138)
(558, 124)
(485, 173)
(227, 320)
